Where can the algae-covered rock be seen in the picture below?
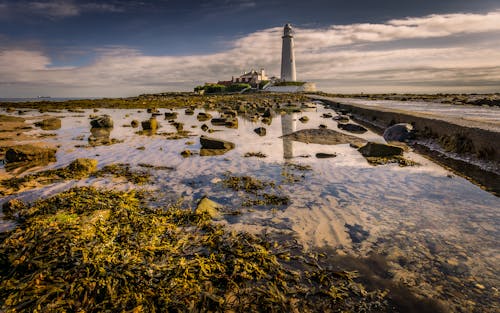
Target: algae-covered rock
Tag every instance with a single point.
(373, 149)
(170, 115)
(134, 123)
(209, 207)
(52, 123)
(30, 152)
(83, 166)
(150, 124)
(353, 128)
(202, 116)
(213, 143)
(304, 119)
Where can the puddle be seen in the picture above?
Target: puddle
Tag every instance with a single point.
(438, 231)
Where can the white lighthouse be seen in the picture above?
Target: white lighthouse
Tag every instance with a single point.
(287, 56)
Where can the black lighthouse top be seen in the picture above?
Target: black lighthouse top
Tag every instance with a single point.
(287, 30)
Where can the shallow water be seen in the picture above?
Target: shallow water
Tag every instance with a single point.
(466, 112)
(438, 231)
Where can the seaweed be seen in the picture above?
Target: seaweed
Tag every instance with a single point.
(89, 250)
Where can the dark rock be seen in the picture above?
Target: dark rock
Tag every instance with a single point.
(104, 121)
(219, 121)
(322, 126)
(267, 113)
(204, 127)
(213, 143)
(267, 120)
(325, 155)
(186, 153)
(170, 115)
(353, 128)
(178, 126)
(49, 124)
(150, 124)
(304, 119)
(230, 113)
(153, 110)
(30, 152)
(261, 131)
(399, 132)
(372, 149)
(326, 115)
(134, 123)
(341, 118)
(189, 111)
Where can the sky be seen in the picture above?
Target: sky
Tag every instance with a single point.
(112, 48)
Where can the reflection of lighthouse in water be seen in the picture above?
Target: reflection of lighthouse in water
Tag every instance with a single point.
(288, 126)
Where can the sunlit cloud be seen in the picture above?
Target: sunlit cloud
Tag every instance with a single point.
(392, 56)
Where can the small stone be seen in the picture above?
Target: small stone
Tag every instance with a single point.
(207, 206)
(304, 119)
(261, 131)
(325, 155)
(134, 123)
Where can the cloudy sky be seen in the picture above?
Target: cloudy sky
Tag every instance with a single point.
(80, 48)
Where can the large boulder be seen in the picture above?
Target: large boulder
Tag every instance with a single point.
(373, 149)
(213, 143)
(399, 132)
(352, 128)
(30, 153)
(52, 123)
(104, 121)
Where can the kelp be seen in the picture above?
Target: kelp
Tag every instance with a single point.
(258, 191)
(89, 250)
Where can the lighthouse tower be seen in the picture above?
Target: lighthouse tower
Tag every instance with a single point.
(287, 56)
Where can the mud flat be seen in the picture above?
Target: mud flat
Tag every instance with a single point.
(463, 138)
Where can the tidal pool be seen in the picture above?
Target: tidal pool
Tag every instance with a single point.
(438, 232)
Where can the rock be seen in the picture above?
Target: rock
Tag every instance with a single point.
(230, 113)
(304, 119)
(12, 207)
(232, 123)
(323, 137)
(134, 123)
(186, 153)
(52, 123)
(267, 120)
(219, 121)
(203, 116)
(212, 143)
(325, 155)
(83, 166)
(150, 124)
(170, 115)
(178, 126)
(341, 118)
(399, 132)
(104, 121)
(261, 131)
(267, 113)
(30, 153)
(326, 115)
(153, 110)
(372, 149)
(99, 136)
(189, 111)
(353, 128)
(322, 126)
(204, 127)
(207, 206)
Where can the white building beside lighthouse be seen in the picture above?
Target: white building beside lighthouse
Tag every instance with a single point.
(288, 72)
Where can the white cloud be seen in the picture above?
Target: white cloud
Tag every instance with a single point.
(347, 58)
